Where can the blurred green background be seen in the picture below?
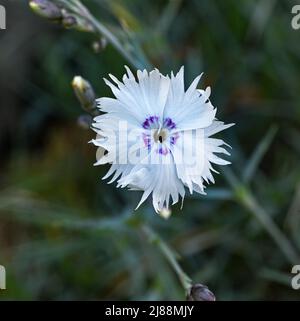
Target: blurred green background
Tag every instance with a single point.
(65, 234)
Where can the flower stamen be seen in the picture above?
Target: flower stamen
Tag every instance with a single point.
(160, 136)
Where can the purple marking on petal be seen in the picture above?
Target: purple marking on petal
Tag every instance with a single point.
(146, 124)
(174, 138)
(168, 122)
(162, 151)
(154, 119)
(147, 141)
(150, 121)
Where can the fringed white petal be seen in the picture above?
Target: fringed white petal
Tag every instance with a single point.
(150, 103)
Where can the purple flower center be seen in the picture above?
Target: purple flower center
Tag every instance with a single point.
(160, 135)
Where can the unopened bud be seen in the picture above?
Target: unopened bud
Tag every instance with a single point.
(85, 93)
(200, 292)
(46, 9)
(165, 213)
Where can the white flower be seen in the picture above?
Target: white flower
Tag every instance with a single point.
(156, 136)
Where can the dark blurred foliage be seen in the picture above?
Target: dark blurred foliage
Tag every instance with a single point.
(65, 234)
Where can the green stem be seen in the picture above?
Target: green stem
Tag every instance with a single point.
(170, 255)
(71, 6)
(103, 31)
(78, 8)
(248, 200)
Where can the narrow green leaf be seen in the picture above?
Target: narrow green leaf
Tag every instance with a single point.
(258, 154)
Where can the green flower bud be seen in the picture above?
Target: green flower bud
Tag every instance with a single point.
(46, 9)
(200, 292)
(84, 93)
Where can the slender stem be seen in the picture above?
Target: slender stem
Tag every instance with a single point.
(169, 254)
(279, 238)
(103, 31)
(71, 6)
(248, 200)
(100, 29)
(168, 15)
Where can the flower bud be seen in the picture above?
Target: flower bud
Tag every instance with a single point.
(84, 93)
(46, 9)
(200, 292)
(165, 213)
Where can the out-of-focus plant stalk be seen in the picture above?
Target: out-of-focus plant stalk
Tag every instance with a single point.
(249, 201)
(79, 9)
(73, 14)
(169, 254)
(194, 292)
(245, 197)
